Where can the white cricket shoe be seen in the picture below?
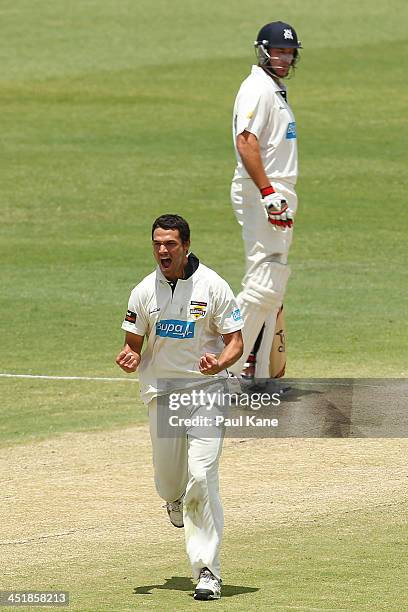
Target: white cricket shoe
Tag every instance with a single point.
(175, 512)
(208, 587)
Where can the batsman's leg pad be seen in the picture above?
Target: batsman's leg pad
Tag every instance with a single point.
(261, 297)
(265, 284)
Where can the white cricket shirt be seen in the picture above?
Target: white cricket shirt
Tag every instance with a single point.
(261, 109)
(180, 326)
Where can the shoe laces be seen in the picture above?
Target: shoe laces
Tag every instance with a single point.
(206, 575)
(174, 506)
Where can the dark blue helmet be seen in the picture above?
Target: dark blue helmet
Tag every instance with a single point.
(278, 35)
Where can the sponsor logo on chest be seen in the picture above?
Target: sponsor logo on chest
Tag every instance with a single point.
(173, 328)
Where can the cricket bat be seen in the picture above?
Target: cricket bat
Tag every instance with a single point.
(277, 358)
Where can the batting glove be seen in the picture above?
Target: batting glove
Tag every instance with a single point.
(279, 213)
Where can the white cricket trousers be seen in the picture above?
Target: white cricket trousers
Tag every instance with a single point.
(188, 463)
(267, 270)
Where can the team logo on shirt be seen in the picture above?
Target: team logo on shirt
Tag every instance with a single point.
(198, 309)
(283, 93)
(172, 328)
(236, 315)
(130, 317)
(291, 131)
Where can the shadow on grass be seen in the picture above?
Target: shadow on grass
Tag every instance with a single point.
(183, 583)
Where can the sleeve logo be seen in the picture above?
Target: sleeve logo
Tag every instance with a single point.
(236, 315)
(131, 317)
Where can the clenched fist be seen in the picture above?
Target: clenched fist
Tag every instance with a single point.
(128, 360)
(209, 364)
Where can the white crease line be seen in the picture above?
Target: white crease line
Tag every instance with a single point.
(4, 375)
(46, 536)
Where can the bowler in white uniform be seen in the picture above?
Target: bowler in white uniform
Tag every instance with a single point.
(191, 323)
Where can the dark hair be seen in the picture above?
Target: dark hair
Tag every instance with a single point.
(173, 222)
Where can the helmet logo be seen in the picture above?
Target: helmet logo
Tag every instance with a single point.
(287, 34)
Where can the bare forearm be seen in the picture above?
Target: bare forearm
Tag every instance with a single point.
(133, 343)
(250, 153)
(129, 357)
(231, 353)
(233, 349)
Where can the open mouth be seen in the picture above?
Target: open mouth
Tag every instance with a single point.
(165, 262)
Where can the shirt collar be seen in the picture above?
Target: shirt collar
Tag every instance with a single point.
(192, 265)
(260, 72)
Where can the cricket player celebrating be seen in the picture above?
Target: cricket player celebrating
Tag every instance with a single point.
(190, 320)
(263, 196)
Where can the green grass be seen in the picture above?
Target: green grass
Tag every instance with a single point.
(356, 563)
(92, 155)
(33, 410)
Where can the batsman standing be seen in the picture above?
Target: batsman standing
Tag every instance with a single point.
(190, 320)
(263, 196)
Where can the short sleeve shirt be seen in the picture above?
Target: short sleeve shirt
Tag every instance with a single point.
(179, 326)
(260, 108)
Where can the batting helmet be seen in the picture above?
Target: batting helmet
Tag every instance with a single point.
(279, 35)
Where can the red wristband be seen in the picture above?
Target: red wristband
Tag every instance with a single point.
(267, 191)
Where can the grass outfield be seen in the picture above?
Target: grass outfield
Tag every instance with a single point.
(114, 113)
(97, 142)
